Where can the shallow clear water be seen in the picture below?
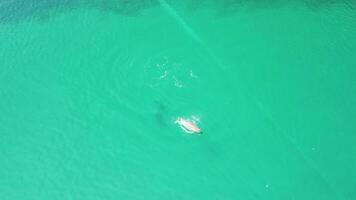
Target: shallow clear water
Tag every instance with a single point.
(89, 92)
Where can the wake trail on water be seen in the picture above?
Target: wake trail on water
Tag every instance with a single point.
(190, 32)
(173, 13)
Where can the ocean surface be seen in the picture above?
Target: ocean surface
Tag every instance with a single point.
(90, 91)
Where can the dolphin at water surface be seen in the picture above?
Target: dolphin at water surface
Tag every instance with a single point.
(188, 126)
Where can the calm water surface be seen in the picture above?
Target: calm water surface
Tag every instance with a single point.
(89, 91)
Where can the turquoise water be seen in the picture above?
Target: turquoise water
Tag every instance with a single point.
(89, 92)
